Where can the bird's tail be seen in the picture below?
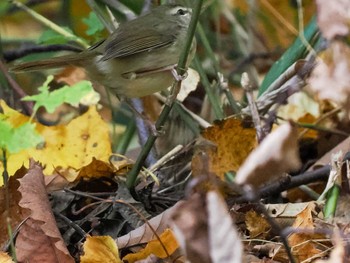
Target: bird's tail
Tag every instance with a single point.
(58, 62)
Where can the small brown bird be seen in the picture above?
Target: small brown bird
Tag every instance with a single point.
(138, 59)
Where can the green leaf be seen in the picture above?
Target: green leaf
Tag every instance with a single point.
(4, 6)
(50, 37)
(5, 133)
(296, 51)
(72, 95)
(19, 138)
(94, 24)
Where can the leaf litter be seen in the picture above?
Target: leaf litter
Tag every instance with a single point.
(81, 209)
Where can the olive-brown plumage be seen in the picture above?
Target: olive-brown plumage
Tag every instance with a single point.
(135, 60)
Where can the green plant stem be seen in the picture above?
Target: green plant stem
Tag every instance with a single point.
(187, 119)
(209, 51)
(5, 176)
(208, 89)
(181, 70)
(231, 101)
(331, 202)
(50, 24)
(124, 142)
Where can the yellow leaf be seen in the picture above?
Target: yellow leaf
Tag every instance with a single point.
(156, 248)
(72, 145)
(234, 142)
(5, 258)
(100, 249)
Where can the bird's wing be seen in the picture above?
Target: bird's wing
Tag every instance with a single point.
(126, 43)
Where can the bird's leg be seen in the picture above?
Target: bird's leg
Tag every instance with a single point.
(176, 89)
(176, 76)
(149, 123)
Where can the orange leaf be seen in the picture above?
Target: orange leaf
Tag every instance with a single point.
(302, 244)
(234, 142)
(156, 248)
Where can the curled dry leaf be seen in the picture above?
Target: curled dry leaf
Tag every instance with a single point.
(188, 85)
(190, 225)
(144, 233)
(39, 239)
(330, 79)
(224, 240)
(277, 154)
(205, 230)
(333, 17)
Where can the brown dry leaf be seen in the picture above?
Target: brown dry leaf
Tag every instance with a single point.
(277, 154)
(330, 79)
(303, 246)
(5, 258)
(257, 225)
(16, 214)
(55, 182)
(156, 248)
(224, 240)
(233, 141)
(144, 233)
(73, 145)
(285, 214)
(275, 251)
(100, 249)
(333, 17)
(190, 225)
(39, 239)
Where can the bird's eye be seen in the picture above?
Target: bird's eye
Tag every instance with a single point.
(181, 12)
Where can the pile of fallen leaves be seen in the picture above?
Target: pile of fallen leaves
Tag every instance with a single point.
(268, 181)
